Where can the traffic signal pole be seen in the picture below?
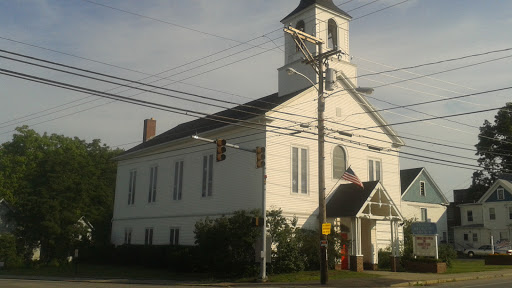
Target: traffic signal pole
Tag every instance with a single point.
(260, 163)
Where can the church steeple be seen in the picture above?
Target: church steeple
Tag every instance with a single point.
(324, 20)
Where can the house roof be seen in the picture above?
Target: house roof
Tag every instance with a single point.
(348, 199)
(407, 176)
(220, 119)
(324, 3)
(500, 182)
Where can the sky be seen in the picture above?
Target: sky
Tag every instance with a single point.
(231, 50)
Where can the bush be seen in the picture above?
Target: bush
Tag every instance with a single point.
(446, 254)
(226, 244)
(8, 252)
(385, 259)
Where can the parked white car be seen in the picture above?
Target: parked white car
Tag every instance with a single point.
(485, 250)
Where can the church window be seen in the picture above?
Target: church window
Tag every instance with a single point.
(339, 162)
(302, 27)
(332, 34)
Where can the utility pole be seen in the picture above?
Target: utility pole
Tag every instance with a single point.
(316, 63)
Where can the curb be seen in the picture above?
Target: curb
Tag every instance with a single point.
(445, 280)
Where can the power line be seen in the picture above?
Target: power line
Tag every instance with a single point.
(213, 117)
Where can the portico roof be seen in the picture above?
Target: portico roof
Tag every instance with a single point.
(372, 201)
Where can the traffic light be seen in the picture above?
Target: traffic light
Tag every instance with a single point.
(221, 149)
(260, 157)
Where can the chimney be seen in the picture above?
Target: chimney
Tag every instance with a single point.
(149, 129)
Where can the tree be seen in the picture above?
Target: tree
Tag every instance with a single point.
(494, 148)
(53, 180)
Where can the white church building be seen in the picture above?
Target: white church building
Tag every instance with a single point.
(170, 181)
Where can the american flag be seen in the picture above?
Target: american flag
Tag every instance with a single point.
(349, 175)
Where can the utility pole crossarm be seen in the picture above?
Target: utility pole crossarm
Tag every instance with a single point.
(303, 35)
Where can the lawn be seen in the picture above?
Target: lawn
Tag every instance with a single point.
(473, 265)
(306, 276)
(131, 272)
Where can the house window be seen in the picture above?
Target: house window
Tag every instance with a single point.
(492, 214)
(424, 217)
(422, 188)
(475, 237)
(510, 212)
(207, 175)
(153, 175)
(148, 237)
(332, 34)
(503, 236)
(131, 187)
(178, 180)
(466, 237)
(501, 194)
(445, 238)
(174, 236)
(339, 162)
(299, 170)
(374, 170)
(128, 236)
(470, 216)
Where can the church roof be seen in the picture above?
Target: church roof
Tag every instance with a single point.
(220, 119)
(324, 3)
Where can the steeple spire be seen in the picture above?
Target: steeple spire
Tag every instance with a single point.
(324, 3)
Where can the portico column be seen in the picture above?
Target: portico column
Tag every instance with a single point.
(356, 261)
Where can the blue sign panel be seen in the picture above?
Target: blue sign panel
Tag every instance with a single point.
(424, 228)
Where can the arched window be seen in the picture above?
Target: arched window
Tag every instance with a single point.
(302, 27)
(339, 162)
(332, 34)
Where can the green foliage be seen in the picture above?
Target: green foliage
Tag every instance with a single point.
(8, 253)
(494, 143)
(447, 254)
(408, 250)
(226, 243)
(297, 249)
(385, 258)
(53, 180)
(286, 257)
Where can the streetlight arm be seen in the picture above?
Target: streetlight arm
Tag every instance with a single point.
(292, 71)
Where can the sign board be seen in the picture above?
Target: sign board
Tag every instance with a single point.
(423, 228)
(326, 228)
(425, 245)
(323, 243)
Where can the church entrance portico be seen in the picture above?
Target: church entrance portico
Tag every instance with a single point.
(360, 209)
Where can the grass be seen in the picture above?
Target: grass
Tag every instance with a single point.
(473, 265)
(306, 276)
(130, 272)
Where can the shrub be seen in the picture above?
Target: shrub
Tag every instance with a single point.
(8, 253)
(226, 243)
(446, 254)
(385, 258)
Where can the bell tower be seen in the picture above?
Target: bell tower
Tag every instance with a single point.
(324, 20)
